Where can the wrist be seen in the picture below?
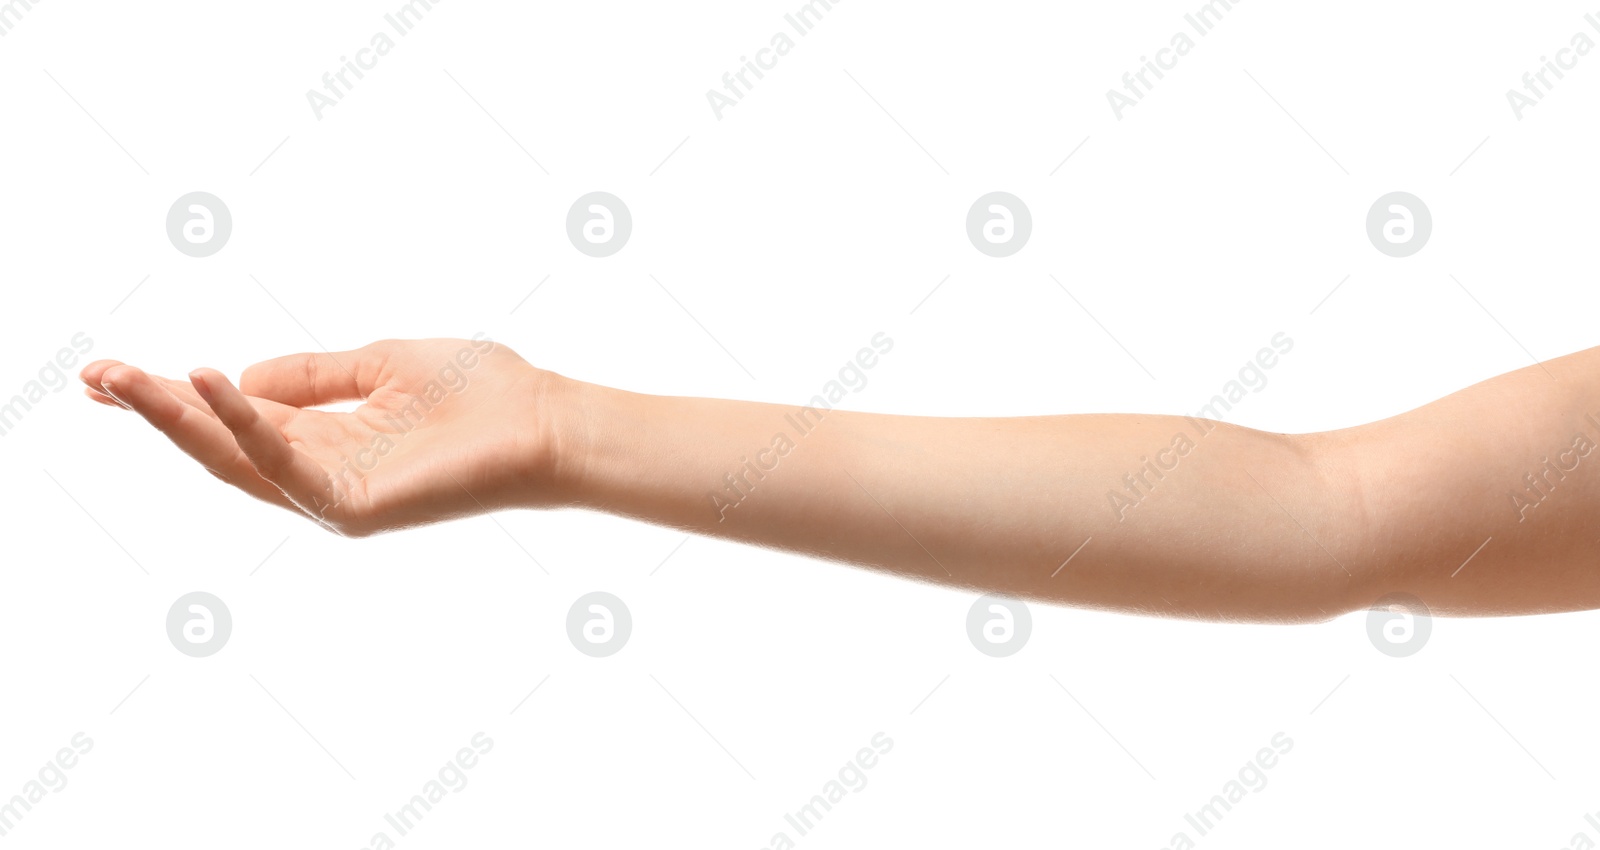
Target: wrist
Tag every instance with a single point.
(572, 419)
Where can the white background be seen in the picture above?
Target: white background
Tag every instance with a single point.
(794, 228)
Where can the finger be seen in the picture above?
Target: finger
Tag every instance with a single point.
(197, 434)
(304, 380)
(100, 396)
(92, 373)
(300, 478)
(277, 414)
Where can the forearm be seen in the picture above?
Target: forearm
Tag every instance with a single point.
(1232, 524)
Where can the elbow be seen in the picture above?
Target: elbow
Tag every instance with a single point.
(1335, 471)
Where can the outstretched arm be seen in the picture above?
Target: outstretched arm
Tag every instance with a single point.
(1038, 507)
(1151, 514)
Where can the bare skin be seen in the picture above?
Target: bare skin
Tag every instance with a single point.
(1243, 525)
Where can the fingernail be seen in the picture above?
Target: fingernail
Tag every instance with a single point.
(111, 390)
(114, 400)
(200, 385)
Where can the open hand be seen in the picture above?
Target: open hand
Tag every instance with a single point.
(446, 428)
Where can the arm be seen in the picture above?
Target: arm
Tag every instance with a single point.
(1151, 514)
(1487, 501)
(996, 505)
(1484, 502)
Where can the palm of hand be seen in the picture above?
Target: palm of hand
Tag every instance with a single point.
(446, 428)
